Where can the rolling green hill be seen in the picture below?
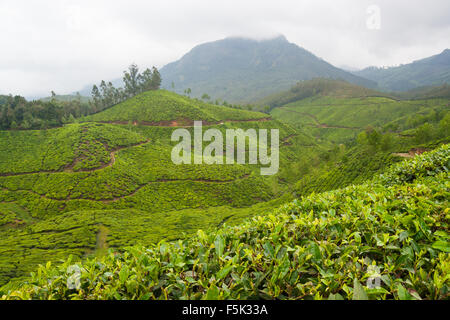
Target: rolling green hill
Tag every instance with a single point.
(165, 106)
(317, 88)
(325, 246)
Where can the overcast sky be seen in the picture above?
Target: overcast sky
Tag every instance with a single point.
(62, 45)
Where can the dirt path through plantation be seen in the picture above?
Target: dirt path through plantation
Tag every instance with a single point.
(69, 167)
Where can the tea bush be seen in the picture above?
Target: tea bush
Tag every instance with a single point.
(323, 246)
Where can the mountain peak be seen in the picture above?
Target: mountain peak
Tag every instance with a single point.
(277, 38)
(242, 69)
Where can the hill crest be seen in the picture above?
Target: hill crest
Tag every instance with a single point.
(166, 108)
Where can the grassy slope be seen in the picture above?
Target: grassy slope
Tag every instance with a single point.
(162, 105)
(317, 247)
(59, 186)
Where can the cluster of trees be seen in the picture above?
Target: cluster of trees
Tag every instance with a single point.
(429, 131)
(18, 113)
(422, 133)
(106, 95)
(376, 139)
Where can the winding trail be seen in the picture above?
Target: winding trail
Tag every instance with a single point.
(69, 167)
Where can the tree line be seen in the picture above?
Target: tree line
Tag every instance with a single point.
(18, 113)
(106, 95)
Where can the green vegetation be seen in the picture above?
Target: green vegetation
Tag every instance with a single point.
(324, 246)
(106, 181)
(59, 186)
(427, 92)
(161, 105)
(360, 136)
(318, 88)
(134, 83)
(17, 113)
(66, 98)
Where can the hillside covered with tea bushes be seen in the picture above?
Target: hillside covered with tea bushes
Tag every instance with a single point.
(360, 135)
(107, 180)
(321, 246)
(162, 106)
(88, 186)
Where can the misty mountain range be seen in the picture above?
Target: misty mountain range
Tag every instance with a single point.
(241, 70)
(434, 70)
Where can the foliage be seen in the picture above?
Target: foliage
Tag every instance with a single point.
(134, 83)
(121, 176)
(322, 246)
(316, 88)
(18, 113)
(429, 164)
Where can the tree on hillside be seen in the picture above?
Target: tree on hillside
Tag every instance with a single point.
(150, 80)
(134, 83)
(132, 79)
(156, 79)
(96, 96)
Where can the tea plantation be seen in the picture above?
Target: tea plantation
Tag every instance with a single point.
(323, 246)
(63, 189)
(107, 182)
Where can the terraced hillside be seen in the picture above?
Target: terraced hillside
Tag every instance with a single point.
(347, 116)
(325, 246)
(359, 135)
(86, 186)
(107, 181)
